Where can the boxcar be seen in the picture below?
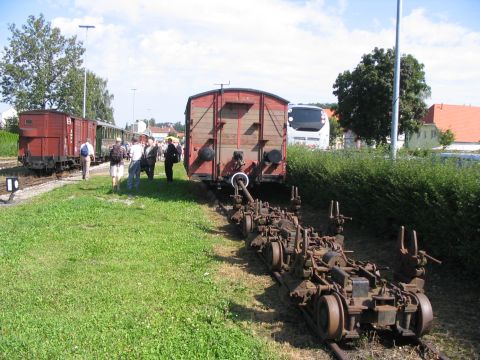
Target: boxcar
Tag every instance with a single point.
(50, 140)
(236, 131)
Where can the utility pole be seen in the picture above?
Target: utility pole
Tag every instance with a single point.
(396, 86)
(86, 27)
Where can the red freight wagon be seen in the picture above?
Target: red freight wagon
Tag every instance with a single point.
(50, 140)
(236, 131)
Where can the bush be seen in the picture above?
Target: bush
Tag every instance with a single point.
(440, 200)
(8, 143)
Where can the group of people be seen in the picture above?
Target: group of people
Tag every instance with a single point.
(142, 156)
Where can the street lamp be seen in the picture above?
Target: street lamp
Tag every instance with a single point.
(133, 106)
(396, 86)
(86, 27)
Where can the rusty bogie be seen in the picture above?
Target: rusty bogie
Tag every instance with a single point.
(339, 294)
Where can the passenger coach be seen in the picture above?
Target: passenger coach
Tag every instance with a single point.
(234, 133)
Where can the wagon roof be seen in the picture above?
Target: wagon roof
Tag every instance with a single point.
(107, 124)
(51, 111)
(234, 90)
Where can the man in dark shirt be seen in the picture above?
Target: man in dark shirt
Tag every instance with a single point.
(171, 156)
(150, 155)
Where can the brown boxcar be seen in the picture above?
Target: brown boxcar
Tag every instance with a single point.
(50, 140)
(234, 131)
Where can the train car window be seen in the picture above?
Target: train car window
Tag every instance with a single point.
(28, 122)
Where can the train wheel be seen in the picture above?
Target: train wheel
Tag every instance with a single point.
(329, 317)
(424, 316)
(274, 256)
(247, 225)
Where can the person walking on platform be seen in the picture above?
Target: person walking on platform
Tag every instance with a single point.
(86, 155)
(180, 151)
(134, 167)
(171, 157)
(117, 154)
(150, 155)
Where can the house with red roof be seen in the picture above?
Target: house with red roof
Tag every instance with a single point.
(463, 121)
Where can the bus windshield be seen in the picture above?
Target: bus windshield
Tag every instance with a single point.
(306, 119)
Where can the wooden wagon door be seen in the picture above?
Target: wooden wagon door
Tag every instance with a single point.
(239, 131)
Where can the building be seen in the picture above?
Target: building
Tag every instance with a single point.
(160, 133)
(7, 114)
(463, 121)
(139, 127)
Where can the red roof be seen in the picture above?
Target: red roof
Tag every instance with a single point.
(330, 113)
(463, 121)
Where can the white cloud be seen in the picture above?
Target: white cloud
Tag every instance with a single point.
(172, 49)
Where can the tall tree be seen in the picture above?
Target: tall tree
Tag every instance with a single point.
(37, 66)
(99, 99)
(365, 95)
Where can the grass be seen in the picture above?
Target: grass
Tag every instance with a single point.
(90, 274)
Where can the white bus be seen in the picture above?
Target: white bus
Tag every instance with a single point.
(309, 126)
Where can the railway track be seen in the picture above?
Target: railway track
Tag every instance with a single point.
(424, 349)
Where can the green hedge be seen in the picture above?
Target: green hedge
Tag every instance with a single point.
(8, 143)
(440, 200)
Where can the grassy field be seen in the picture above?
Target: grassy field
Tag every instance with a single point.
(85, 273)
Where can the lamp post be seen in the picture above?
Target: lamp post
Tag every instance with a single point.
(133, 106)
(396, 86)
(86, 27)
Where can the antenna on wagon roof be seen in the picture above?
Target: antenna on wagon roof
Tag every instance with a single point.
(221, 85)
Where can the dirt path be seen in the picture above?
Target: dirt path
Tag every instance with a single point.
(27, 193)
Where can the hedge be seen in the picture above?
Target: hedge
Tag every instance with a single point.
(8, 143)
(440, 200)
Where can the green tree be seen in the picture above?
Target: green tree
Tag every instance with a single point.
(365, 95)
(99, 99)
(446, 138)
(11, 125)
(180, 127)
(36, 68)
(335, 130)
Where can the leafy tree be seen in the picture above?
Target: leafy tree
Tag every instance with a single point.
(36, 69)
(335, 130)
(172, 133)
(179, 126)
(99, 99)
(446, 138)
(365, 95)
(11, 125)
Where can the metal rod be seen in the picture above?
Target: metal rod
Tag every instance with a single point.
(86, 27)
(396, 85)
(245, 191)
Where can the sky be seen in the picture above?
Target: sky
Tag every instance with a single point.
(169, 50)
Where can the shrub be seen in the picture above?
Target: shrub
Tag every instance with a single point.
(440, 200)
(8, 143)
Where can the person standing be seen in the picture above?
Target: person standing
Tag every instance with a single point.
(135, 153)
(86, 155)
(180, 151)
(171, 157)
(150, 155)
(117, 154)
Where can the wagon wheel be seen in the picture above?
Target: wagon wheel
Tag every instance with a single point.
(274, 256)
(247, 225)
(423, 319)
(329, 317)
